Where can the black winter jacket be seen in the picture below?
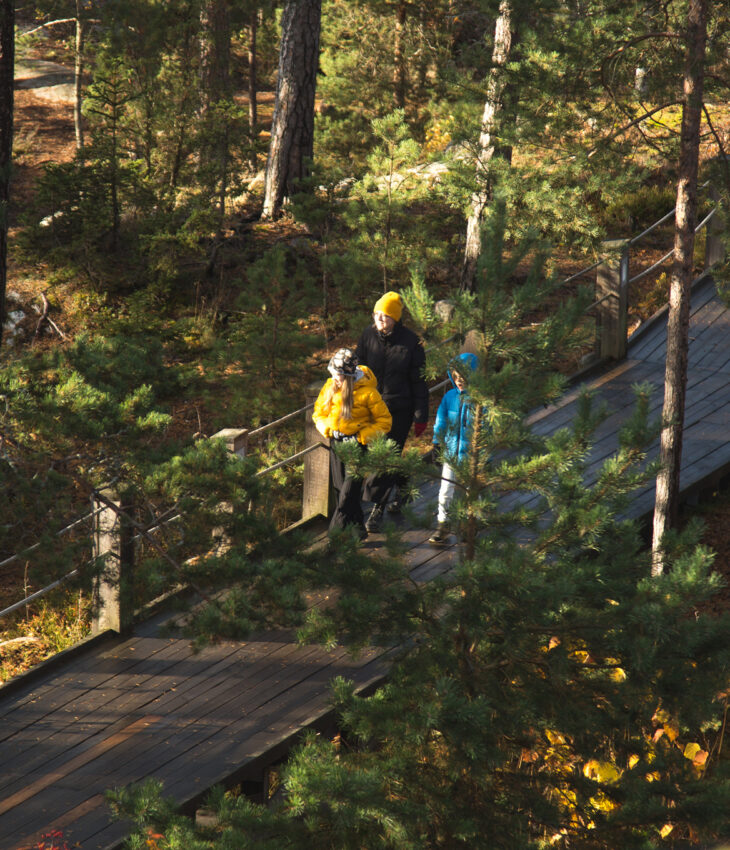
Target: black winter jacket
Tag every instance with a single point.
(397, 361)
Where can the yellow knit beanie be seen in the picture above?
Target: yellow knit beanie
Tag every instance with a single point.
(390, 304)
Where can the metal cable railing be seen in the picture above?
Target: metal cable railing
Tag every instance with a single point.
(38, 594)
(633, 241)
(669, 254)
(59, 533)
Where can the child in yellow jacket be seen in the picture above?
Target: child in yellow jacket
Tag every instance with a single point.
(349, 407)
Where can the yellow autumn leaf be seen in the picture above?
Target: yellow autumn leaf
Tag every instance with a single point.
(660, 716)
(666, 829)
(601, 771)
(691, 750)
(671, 727)
(633, 761)
(618, 674)
(603, 803)
(554, 737)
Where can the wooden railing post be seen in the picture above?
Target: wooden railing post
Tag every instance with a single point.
(317, 496)
(612, 280)
(113, 587)
(236, 440)
(715, 236)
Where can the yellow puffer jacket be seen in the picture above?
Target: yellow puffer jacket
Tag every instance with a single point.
(370, 415)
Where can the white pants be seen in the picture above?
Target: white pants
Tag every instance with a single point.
(446, 492)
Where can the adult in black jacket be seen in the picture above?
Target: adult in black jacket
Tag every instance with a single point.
(396, 357)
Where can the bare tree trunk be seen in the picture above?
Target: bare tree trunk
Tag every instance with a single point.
(292, 127)
(401, 71)
(482, 195)
(675, 380)
(78, 73)
(7, 82)
(423, 55)
(215, 80)
(253, 72)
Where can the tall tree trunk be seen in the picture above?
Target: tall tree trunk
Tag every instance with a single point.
(215, 80)
(292, 127)
(253, 72)
(490, 117)
(400, 70)
(423, 55)
(675, 379)
(78, 73)
(7, 82)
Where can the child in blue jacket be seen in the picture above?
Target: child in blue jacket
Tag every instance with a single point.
(452, 434)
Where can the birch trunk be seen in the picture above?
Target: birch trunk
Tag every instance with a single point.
(675, 380)
(481, 197)
(78, 74)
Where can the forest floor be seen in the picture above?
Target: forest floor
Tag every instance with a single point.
(44, 133)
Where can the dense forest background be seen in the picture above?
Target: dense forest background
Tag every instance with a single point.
(233, 187)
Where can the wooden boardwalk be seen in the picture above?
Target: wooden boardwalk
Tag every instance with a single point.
(121, 709)
(706, 441)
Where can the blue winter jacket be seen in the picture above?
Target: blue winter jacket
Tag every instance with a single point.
(452, 428)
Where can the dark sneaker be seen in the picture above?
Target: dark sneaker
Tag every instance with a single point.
(440, 536)
(398, 503)
(376, 515)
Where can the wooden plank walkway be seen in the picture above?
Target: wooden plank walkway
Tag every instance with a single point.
(121, 709)
(706, 441)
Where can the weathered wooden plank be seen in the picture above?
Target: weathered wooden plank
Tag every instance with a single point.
(77, 706)
(91, 770)
(186, 685)
(168, 700)
(44, 697)
(187, 774)
(287, 714)
(93, 828)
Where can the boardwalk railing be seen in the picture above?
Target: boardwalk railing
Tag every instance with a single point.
(613, 282)
(113, 537)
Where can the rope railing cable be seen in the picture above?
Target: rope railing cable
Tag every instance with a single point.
(635, 239)
(269, 425)
(318, 445)
(669, 254)
(59, 533)
(290, 459)
(664, 218)
(38, 594)
(275, 424)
